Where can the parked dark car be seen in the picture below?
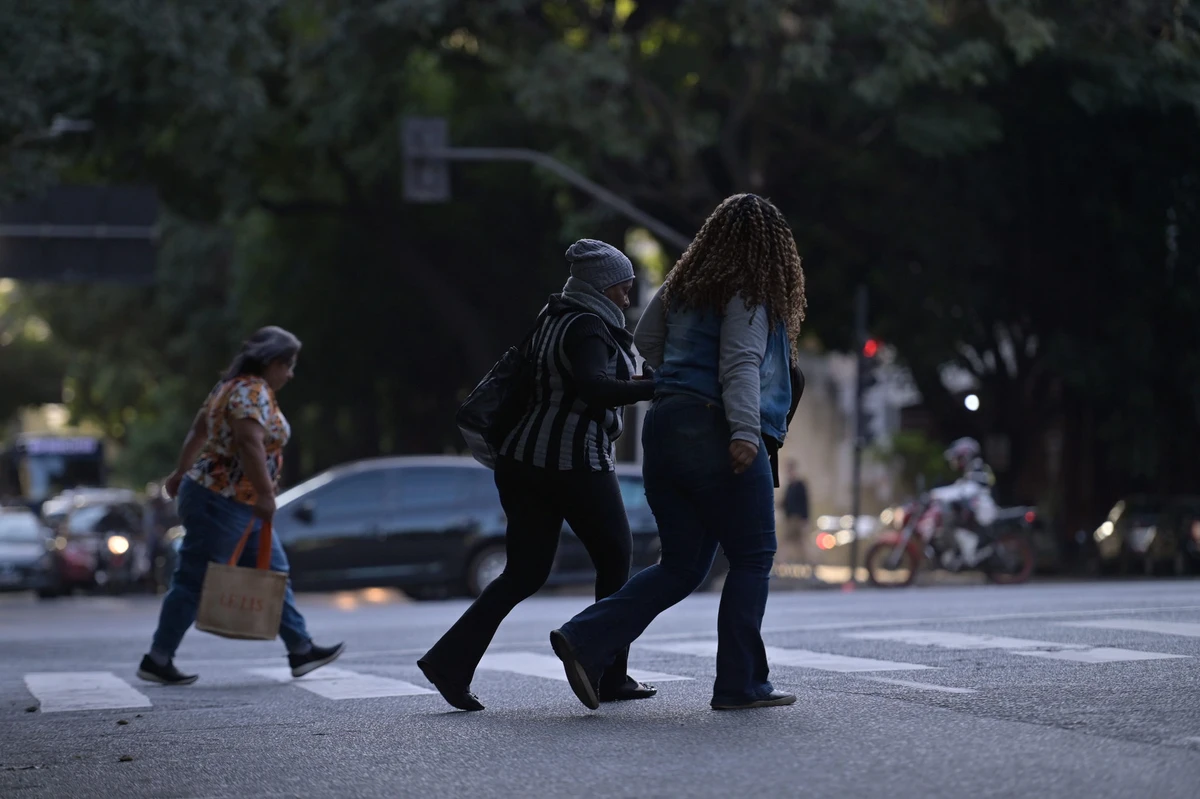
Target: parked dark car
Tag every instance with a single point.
(1150, 535)
(24, 560)
(432, 526)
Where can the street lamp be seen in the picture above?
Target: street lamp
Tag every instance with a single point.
(971, 402)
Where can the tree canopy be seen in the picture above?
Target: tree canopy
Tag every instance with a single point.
(1014, 179)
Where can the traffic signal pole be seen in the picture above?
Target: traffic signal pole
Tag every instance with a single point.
(425, 144)
(860, 338)
(427, 154)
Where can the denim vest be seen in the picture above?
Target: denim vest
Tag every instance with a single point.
(691, 355)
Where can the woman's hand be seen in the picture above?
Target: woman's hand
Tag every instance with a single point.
(264, 507)
(171, 483)
(742, 455)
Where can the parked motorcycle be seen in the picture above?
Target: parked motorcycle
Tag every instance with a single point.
(925, 535)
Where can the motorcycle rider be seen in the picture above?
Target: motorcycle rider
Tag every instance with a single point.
(969, 498)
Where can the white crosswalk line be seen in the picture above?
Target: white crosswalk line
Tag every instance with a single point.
(1100, 654)
(799, 658)
(532, 664)
(1051, 650)
(1184, 628)
(922, 686)
(334, 683)
(60, 691)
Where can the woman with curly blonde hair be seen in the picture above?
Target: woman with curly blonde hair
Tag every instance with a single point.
(720, 335)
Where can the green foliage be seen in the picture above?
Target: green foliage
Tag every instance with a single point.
(920, 461)
(1003, 175)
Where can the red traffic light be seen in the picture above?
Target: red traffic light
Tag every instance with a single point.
(871, 348)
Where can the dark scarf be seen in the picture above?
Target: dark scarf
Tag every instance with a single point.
(578, 295)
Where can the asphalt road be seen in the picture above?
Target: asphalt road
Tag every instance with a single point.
(1063, 690)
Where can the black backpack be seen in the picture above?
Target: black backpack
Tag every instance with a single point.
(496, 405)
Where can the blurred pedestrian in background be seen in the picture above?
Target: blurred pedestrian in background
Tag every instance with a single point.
(720, 335)
(558, 463)
(227, 475)
(795, 513)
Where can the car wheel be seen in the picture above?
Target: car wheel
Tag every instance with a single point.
(47, 593)
(486, 565)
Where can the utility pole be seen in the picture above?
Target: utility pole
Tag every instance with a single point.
(860, 433)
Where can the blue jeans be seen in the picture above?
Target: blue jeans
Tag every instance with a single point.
(698, 503)
(214, 524)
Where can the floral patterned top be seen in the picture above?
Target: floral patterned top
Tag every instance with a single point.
(218, 468)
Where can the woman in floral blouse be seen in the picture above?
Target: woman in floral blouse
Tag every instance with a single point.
(228, 474)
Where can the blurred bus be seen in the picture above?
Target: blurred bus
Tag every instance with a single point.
(37, 466)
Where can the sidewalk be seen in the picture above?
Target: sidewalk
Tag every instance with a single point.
(798, 577)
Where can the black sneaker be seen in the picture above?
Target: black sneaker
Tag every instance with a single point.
(773, 699)
(314, 659)
(166, 675)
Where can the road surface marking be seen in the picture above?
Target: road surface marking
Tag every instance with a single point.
(851, 623)
(799, 658)
(1189, 629)
(922, 686)
(334, 683)
(1079, 653)
(1100, 654)
(59, 691)
(532, 664)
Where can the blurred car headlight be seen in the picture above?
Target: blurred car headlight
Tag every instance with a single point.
(118, 544)
(1104, 531)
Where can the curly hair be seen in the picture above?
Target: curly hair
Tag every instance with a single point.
(744, 246)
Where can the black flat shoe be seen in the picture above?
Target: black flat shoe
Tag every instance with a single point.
(577, 675)
(458, 696)
(773, 699)
(630, 689)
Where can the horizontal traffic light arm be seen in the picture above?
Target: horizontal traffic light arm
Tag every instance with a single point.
(663, 231)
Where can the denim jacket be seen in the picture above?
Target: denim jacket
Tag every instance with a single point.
(732, 359)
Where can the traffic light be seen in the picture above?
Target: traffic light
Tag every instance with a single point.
(868, 377)
(868, 364)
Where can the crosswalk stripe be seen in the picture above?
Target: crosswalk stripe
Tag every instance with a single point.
(532, 664)
(1079, 653)
(922, 686)
(334, 683)
(799, 658)
(59, 691)
(1184, 628)
(1100, 654)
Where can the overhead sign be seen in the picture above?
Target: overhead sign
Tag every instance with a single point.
(81, 234)
(61, 445)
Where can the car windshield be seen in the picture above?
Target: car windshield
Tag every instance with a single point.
(19, 527)
(86, 518)
(297, 491)
(1143, 510)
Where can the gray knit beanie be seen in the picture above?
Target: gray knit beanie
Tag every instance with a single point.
(598, 264)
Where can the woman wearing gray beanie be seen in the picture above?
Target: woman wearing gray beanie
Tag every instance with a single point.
(557, 463)
(227, 474)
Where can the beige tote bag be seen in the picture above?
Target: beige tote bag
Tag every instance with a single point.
(236, 602)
